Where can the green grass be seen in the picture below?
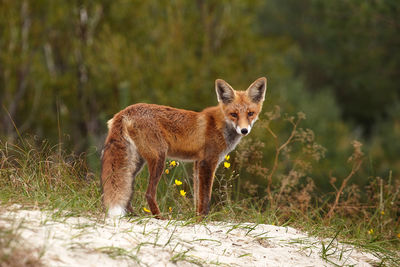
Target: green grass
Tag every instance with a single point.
(47, 177)
(115, 252)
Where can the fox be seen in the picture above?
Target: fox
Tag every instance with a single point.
(149, 133)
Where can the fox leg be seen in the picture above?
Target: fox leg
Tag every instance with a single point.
(196, 184)
(156, 167)
(205, 182)
(138, 167)
(121, 163)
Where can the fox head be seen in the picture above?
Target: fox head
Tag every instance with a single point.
(241, 108)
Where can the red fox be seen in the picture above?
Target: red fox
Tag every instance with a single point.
(150, 133)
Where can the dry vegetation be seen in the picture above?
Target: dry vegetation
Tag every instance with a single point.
(13, 250)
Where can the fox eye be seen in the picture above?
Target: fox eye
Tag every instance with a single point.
(235, 115)
(250, 114)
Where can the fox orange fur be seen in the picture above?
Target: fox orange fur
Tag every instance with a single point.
(147, 133)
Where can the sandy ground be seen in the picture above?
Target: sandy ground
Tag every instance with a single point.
(78, 241)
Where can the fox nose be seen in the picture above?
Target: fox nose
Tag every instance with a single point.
(244, 131)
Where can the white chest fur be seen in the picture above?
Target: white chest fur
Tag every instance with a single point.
(232, 139)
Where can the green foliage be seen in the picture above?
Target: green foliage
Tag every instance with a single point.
(385, 146)
(79, 63)
(346, 46)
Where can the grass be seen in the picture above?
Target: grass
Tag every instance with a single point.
(40, 175)
(182, 256)
(46, 177)
(116, 252)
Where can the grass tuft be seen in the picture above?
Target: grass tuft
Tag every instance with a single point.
(47, 177)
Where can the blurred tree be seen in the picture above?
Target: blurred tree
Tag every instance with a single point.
(385, 145)
(347, 46)
(67, 66)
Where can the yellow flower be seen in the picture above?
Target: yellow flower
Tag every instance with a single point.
(370, 231)
(227, 157)
(227, 164)
(172, 163)
(398, 235)
(177, 182)
(170, 209)
(183, 193)
(146, 210)
(166, 171)
(383, 212)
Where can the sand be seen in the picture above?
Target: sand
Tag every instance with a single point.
(81, 241)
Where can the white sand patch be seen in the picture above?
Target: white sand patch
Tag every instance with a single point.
(78, 241)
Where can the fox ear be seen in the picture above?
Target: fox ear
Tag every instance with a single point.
(225, 92)
(257, 89)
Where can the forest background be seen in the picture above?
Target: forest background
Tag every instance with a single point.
(67, 66)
